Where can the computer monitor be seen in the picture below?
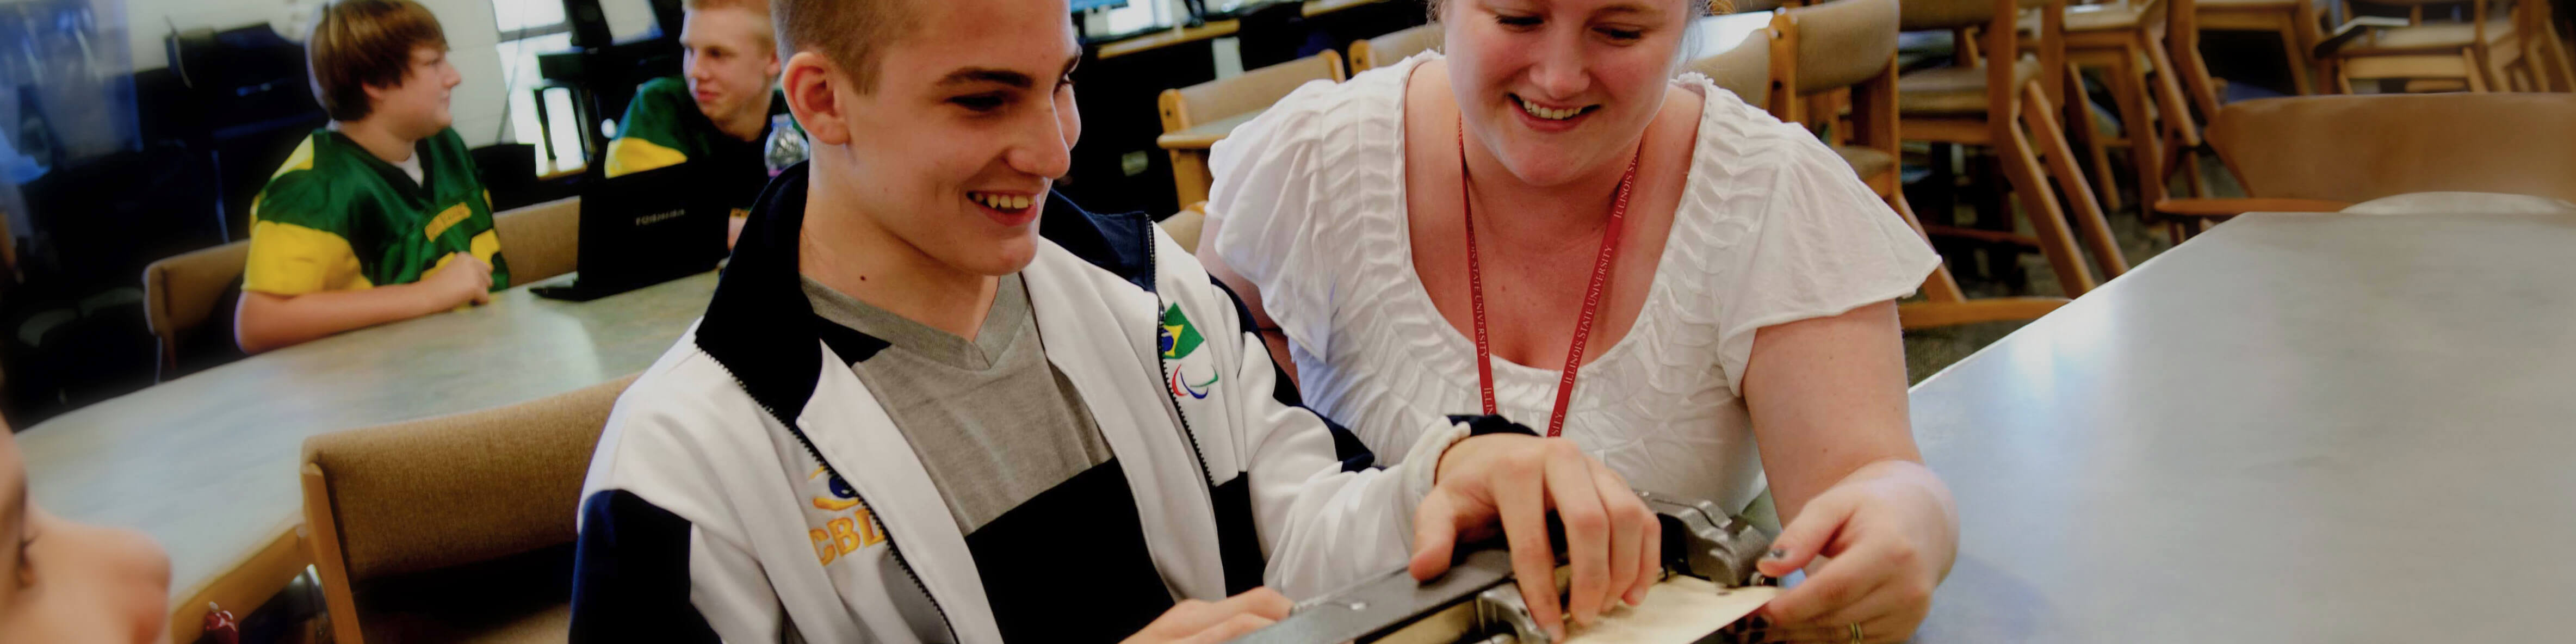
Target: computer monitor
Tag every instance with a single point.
(1080, 6)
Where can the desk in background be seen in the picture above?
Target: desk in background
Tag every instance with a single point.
(2293, 428)
(207, 464)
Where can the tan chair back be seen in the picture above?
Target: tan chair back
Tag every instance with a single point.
(1254, 90)
(2358, 148)
(1745, 70)
(1184, 226)
(447, 492)
(1393, 48)
(540, 241)
(1931, 15)
(1843, 43)
(181, 293)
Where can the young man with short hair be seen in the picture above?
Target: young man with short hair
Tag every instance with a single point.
(718, 113)
(916, 410)
(377, 217)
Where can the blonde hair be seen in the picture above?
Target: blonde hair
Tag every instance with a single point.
(768, 29)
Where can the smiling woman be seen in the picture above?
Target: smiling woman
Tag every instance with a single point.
(1701, 293)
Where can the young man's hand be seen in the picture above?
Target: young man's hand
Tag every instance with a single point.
(1198, 622)
(460, 279)
(1612, 541)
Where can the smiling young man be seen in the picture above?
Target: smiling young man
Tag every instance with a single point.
(932, 400)
(718, 112)
(379, 216)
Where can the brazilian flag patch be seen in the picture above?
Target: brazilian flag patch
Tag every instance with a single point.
(1180, 342)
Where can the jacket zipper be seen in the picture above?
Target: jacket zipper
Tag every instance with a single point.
(1153, 270)
(873, 517)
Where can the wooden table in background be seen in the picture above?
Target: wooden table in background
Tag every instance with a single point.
(2292, 428)
(206, 464)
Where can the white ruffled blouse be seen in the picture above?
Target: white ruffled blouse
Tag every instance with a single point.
(1772, 228)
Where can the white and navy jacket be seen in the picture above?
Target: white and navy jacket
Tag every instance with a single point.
(749, 488)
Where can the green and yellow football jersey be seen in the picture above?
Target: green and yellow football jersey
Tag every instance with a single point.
(663, 128)
(336, 218)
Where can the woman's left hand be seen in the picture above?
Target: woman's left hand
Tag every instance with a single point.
(1886, 535)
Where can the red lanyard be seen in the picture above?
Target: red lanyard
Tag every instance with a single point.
(1591, 295)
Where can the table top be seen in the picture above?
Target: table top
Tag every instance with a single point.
(2293, 428)
(207, 464)
(1205, 135)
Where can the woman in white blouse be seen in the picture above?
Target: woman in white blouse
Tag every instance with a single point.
(1723, 280)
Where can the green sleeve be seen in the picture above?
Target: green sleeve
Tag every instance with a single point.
(649, 136)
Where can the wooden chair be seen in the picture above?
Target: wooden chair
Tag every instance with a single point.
(2295, 20)
(1745, 70)
(1991, 103)
(1196, 117)
(2498, 49)
(1850, 45)
(1389, 49)
(454, 529)
(2126, 40)
(182, 293)
(2325, 153)
(540, 241)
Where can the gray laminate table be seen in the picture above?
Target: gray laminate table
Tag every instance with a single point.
(2294, 428)
(207, 464)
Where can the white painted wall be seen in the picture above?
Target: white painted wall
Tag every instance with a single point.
(471, 38)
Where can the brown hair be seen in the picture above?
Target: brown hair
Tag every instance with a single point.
(356, 44)
(849, 32)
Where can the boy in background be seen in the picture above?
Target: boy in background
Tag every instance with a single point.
(377, 217)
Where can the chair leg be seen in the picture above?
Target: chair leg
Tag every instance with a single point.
(2169, 95)
(2070, 179)
(2079, 106)
(2021, 166)
(2193, 72)
(2476, 73)
(1940, 286)
(2297, 56)
(2129, 89)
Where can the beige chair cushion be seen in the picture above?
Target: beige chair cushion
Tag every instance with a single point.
(1953, 91)
(1866, 162)
(2090, 17)
(2424, 38)
(180, 292)
(2354, 149)
(1926, 15)
(540, 241)
(1395, 47)
(456, 490)
(1844, 42)
(1745, 70)
(1184, 227)
(1257, 89)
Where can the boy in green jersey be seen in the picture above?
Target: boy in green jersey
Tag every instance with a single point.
(718, 113)
(378, 217)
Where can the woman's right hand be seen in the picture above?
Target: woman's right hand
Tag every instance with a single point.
(1198, 622)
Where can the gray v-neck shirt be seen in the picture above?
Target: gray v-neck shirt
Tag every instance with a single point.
(993, 422)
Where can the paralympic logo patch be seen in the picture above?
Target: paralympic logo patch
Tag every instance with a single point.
(1192, 375)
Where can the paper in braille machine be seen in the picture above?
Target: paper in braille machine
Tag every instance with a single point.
(1709, 583)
